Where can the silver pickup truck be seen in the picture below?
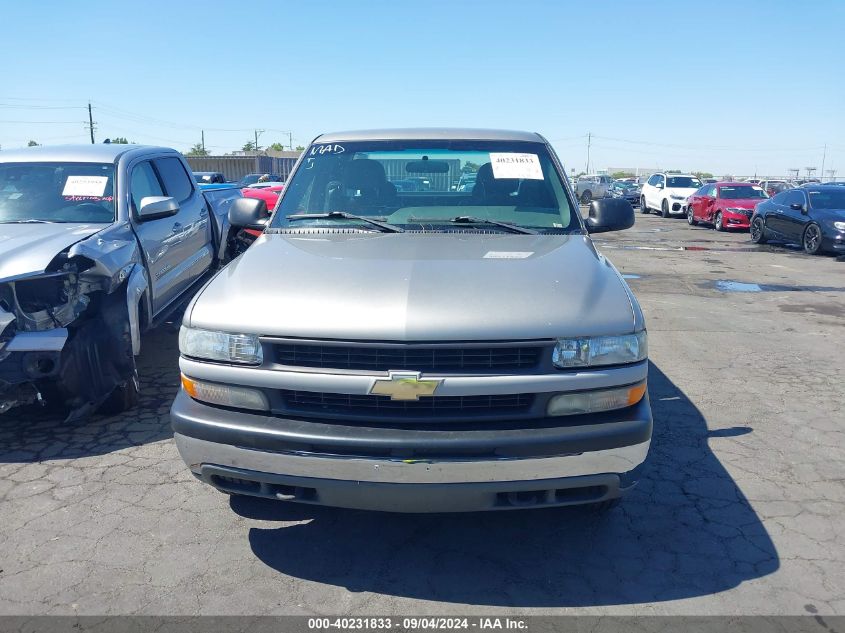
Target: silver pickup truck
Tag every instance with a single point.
(423, 351)
(592, 187)
(97, 243)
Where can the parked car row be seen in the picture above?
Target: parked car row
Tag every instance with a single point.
(812, 214)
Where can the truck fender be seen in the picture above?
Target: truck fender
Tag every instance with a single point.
(138, 305)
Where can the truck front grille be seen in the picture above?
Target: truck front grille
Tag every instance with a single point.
(436, 407)
(413, 357)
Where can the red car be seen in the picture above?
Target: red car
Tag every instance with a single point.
(268, 192)
(725, 205)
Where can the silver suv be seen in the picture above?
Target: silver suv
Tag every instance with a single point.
(419, 351)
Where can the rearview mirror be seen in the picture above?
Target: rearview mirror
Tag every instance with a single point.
(248, 213)
(155, 207)
(427, 167)
(610, 214)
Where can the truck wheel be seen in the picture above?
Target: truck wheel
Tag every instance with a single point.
(126, 395)
(643, 205)
(758, 233)
(665, 209)
(586, 197)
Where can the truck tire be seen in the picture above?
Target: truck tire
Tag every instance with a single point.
(126, 395)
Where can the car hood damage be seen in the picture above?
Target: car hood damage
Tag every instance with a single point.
(58, 303)
(417, 287)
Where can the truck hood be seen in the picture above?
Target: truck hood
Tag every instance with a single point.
(29, 248)
(417, 287)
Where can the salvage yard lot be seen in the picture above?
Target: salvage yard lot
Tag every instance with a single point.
(739, 511)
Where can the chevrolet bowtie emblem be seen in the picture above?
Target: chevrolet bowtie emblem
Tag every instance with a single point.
(404, 386)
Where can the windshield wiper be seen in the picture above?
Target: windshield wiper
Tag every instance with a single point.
(28, 221)
(468, 219)
(343, 215)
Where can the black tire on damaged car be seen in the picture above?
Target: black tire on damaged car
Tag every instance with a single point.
(115, 319)
(718, 222)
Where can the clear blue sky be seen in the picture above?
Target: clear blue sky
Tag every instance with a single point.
(723, 87)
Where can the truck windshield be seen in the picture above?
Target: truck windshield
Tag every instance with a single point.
(427, 184)
(56, 192)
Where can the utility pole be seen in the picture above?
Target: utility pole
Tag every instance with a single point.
(202, 132)
(810, 171)
(257, 133)
(290, 140)
(824, 155)
(91, 123)
(831, 174)
(589, 141)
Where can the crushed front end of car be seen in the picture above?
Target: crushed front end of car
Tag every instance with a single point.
(65, 339)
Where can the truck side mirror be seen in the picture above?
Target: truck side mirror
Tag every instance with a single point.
(155, 207)
(248, 213)
(610, 214)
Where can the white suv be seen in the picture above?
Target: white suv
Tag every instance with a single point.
(668, 193)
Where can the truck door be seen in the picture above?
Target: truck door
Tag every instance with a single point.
(177, 248)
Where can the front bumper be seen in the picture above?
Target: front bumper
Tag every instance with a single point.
(26, 358)
(592, 458)
(737, 220)
(677, 206)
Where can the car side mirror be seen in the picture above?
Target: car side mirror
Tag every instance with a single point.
(659, 185)
(248, 213)
(155, 207)
(609, 214)
(797, 206)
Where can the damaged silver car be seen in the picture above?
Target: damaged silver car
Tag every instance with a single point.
(97, 244)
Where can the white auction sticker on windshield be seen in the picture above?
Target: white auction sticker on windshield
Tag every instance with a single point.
(85, 185)
(514, 165)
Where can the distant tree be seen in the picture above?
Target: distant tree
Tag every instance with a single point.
(674, 171)
(702, 174)
(300, 148)
(621, 174)
(580, 173)
(249, 146)
(197, 150)
(276, 146)
(32, 144)
(469, 167)
(120, 140)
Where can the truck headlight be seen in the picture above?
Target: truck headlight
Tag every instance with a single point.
(596, 401)
(600, 350)
(225, 395)
(839, 226)
(244, 349)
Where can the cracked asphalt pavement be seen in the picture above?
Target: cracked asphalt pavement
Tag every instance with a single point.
(739, 511)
